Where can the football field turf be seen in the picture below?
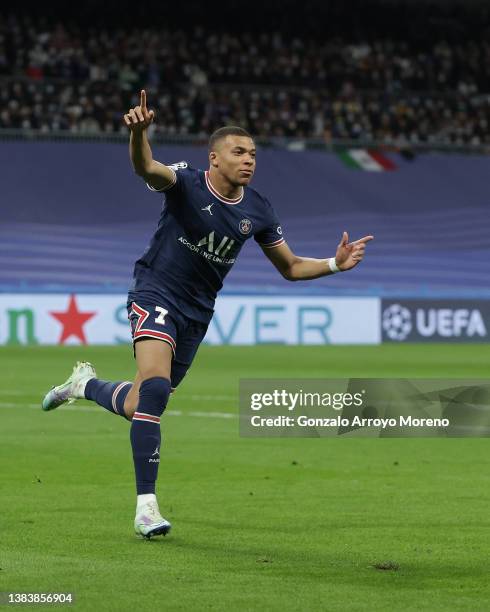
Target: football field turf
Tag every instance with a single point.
(258, 524)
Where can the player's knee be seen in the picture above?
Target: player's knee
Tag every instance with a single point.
(130, 405)
(131, 401)
(153, 395)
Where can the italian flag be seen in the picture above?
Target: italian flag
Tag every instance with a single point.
(364, 159)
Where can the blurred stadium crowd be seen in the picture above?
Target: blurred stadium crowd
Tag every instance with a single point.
(405, 86)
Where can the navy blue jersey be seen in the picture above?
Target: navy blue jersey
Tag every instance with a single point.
(198, 238)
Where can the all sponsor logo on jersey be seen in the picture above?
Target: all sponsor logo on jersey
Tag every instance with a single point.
(211, 247)
(245, 226)
(218, 247)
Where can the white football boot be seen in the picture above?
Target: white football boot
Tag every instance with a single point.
(149, 522)
(72, 389)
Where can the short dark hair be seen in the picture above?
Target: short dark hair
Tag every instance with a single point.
(229, 130)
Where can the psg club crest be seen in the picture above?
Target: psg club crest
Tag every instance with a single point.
(245, 226)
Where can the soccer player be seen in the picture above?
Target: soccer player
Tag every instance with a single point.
(206, 218)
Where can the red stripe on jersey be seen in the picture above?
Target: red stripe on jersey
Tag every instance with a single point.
(140, 331)
(156, 334)
(273, 244)
(218, 195)
(142, 315)
(174, 180)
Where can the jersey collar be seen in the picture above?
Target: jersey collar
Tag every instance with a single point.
(220, 197)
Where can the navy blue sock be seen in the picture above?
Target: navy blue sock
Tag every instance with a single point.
(110, 395)
(145, 432)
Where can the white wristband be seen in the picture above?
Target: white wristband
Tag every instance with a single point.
(332, 264)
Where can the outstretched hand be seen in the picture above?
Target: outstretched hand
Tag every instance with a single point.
(349, 254)
(139, 117)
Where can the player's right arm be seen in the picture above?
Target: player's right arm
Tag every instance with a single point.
(157, 175)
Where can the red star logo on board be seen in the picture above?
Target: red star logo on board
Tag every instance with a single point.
(73, 321)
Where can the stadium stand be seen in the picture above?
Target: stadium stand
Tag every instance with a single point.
(385, 83)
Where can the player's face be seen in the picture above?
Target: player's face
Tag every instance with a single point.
(234, 157)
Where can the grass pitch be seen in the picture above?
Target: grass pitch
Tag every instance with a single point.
(258, 524)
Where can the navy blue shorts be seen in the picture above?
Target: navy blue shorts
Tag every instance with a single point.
(164, 322)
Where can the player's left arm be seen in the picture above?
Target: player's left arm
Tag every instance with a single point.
(294, 268)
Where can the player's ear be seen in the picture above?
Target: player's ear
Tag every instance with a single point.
(213, 160)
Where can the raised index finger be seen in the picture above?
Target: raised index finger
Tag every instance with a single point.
(143, 99)
(363, 240)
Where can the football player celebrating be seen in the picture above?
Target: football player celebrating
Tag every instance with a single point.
(207, 217)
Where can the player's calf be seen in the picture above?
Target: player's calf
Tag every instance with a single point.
(145, 432)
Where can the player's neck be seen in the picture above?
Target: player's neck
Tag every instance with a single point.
(223, 186)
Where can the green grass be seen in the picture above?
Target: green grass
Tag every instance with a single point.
(258, 524)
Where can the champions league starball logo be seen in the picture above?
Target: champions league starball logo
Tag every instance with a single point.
(245, 226)
(397, 322)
